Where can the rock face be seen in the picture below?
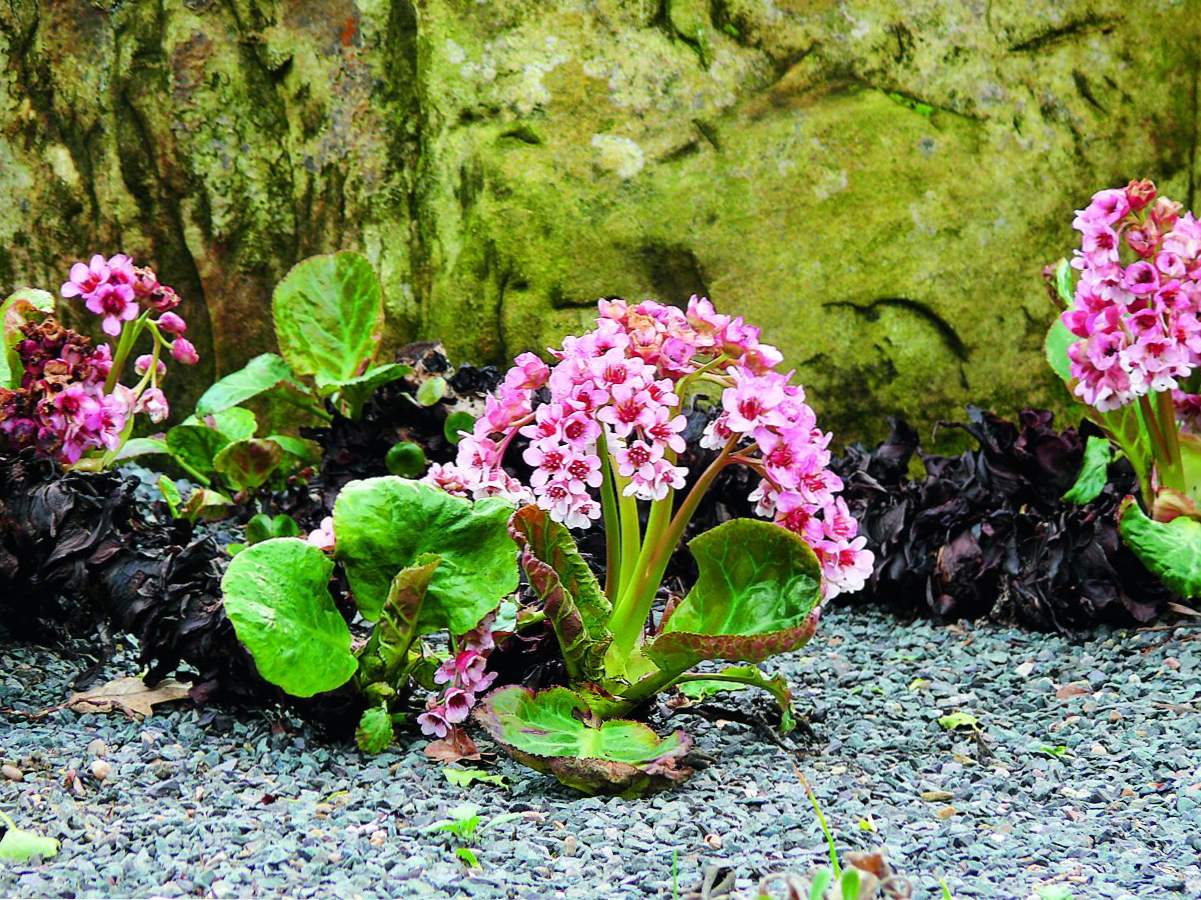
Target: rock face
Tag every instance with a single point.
(877, 184)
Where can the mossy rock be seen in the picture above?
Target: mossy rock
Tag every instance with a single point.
(877, 185)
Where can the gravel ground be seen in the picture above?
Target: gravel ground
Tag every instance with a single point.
(1095, 787)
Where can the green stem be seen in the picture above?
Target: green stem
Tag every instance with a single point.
(662, 536)
(129, 337)
(1159, 445)
(631, 530)
(613, 523)
(1167, 426)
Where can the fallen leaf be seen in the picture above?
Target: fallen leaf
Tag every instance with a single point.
(20, 846)
(951, 721)
(465, 777)
(937, 796)
(1183, 610)
(456, 746)
(128, 695)
(1073, 689)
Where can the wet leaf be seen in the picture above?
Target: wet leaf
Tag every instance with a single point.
(374, 733)
(263, 373)
(955, 720)
(1094, 473)
(553, 732)
(329, 317)
(756, 596)
(456, 425)
(575, 606)
(431, 390)
(248, 464)
(142, 447)
(354, 392)
(1170, 550)
(1059, 339)
(751, 677)
(128, 695)
(276, 594)
(262, 527)
(402, 619)
(384, 524)
(467, 777)
(406, 459)
(16, 310)
(20, 846)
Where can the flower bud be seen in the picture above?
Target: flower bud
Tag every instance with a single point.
(172, 324)
(184, 352)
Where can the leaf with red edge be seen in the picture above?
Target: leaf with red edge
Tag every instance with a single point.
(575, 606)
(757, 595)
(554, 732)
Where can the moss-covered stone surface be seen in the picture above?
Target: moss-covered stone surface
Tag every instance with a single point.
(877, 184)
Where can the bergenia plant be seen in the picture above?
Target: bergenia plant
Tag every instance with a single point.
(417, 562)
(328, 314)
(64, 395)
(1128, 345)
(605, 426)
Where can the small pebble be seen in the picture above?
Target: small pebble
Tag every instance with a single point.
(12, 773)
(101, 769)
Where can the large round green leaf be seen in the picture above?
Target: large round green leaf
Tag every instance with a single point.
(383, 525)
(757, 595)
(329, 316)
(277, 596)
(1169, 550)
(553, 731)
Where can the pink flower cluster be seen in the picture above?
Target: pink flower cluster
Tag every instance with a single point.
(464, 677)
(618, 390)
(1138, 301)
(61, 407)
(118, 291)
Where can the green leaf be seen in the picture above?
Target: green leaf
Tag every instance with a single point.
(205, 504)
(1063, 282)
(463, 822)
(355, 392)
(742, 677)
(553, 732)
(387, 652)
(468, 856)
(849, 883)
(17, 309)
(261, 374)
(431, 391)
(374, 733)
(406, 459)
(756, 595)
(821, 881)
(20, 846)
(276, 594)
(197, 441)
(263, 527)
(575, 606)
(467, 777)
(171, 495)
(1094, 471)
(248, 464)
(1056, 349)
(455, 424)
(954, 720)
(141, 447)
(384, 524)
(304, 451)
(329, 317)
(1170, 550)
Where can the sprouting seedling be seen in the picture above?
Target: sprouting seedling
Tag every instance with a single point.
(463, 824)
(821, 820)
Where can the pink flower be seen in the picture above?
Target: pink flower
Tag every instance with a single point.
(323, 538)
(170, 323)
(638, 460)
(153, 403)
(846, 566)
(751, 400)
(630, 408)
(85, 279)
(529, 373)
(457, 704)
(184, 352)
(434, 722)
(115, 303)
(142, 364)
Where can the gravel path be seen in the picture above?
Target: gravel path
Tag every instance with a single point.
(1096, 787)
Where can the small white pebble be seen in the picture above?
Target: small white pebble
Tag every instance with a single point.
(101, 769)
(12, 773)
(97, 748)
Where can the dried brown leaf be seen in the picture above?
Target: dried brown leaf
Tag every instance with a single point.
(129, 695)
(456, 746)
